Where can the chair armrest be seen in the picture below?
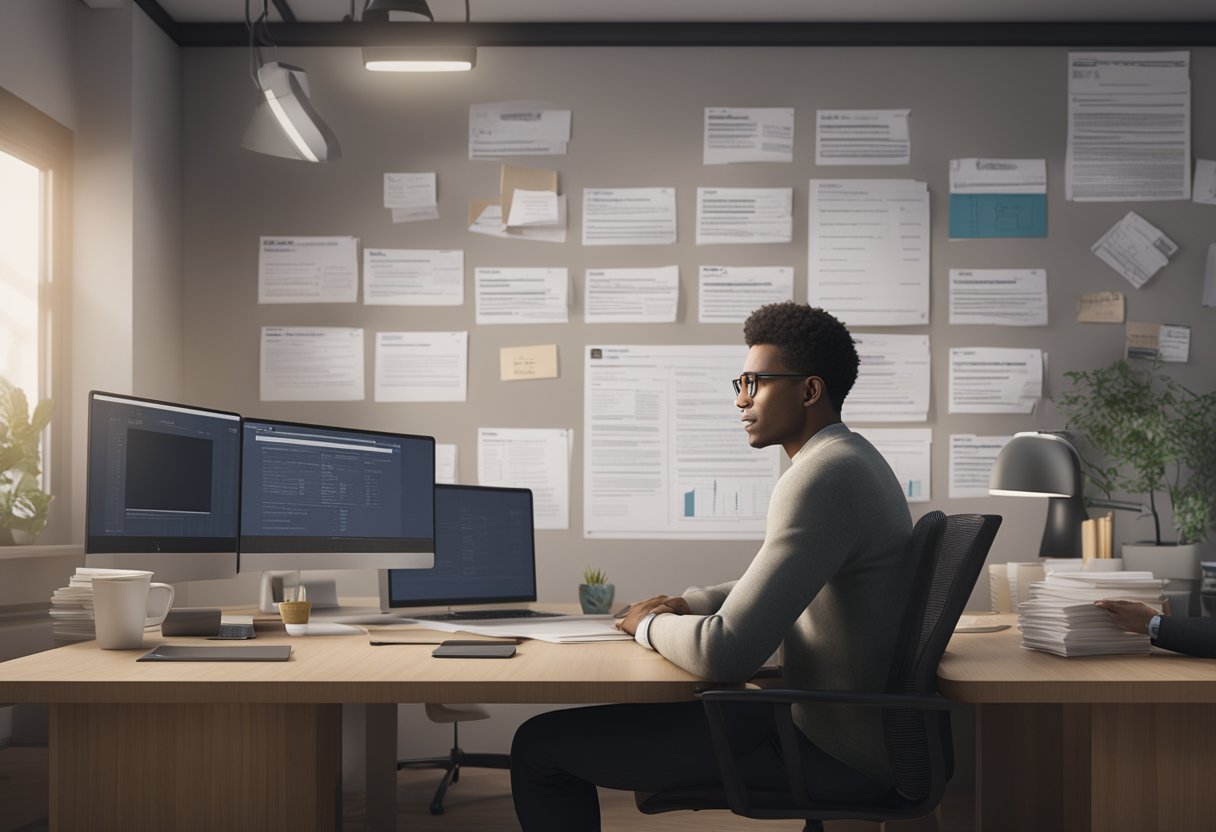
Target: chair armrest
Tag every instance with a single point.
(778, 696)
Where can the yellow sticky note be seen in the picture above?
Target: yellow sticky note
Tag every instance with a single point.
(524, 363)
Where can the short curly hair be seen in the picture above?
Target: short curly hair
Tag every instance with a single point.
(809, 340)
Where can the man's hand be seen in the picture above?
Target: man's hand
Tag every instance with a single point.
(1128, 615)
(658, 604)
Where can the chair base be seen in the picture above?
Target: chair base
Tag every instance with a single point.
(451, 765)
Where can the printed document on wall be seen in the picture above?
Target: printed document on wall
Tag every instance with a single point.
(411, 196)
(998, 297)
(522, 296)
(445, 463)
(748, 134)
(311, 364)
(422, 366)
(744, 215)
(868, 250)
(1204, 191)
(1135, 248)
(665, 455)
(536, 458)
(893, 379)
(909, 453)
(728, 294)
(862, 137)
(971, 461)
(308, 270)
(412, 277)
(629, 216)
(998, 198)
(632, 296)
(517, 128)
(1129, 126)
(995, 379)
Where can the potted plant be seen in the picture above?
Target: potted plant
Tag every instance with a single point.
(595, 593)
(1156, 437)
(23, 504)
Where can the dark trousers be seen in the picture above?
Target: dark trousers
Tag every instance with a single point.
(558, 759)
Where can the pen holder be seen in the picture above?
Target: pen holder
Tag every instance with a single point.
(295, 612)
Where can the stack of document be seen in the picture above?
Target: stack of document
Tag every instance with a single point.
(564, 630)
(72, 605)
(1060, 616)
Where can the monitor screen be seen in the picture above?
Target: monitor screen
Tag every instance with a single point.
(162, 488)
(484, 550)
(315, 497)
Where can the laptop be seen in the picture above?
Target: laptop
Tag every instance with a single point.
(485, 554)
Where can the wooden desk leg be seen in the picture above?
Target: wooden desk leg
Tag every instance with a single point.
(380, 738)
(194, 767)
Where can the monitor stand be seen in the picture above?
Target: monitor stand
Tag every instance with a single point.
(279, 586)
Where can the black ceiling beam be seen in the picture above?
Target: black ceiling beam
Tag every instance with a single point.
(1070, 34)
(284, 11)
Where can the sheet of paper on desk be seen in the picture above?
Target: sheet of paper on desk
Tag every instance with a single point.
(555, 630)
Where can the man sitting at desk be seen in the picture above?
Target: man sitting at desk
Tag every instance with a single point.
(1193, 636)
(830, 582)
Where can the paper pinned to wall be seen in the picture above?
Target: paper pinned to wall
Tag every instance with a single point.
(422, 366)
(862, 137)
(308, 270)
(971, 461)
(748, 134)
(445, 463)
(1129, 126)
(629, 216)
(1204, 190)
(522, 296)
(412, 277)
(995, 379)
(1135, 248)
(639, 296)
(892, 380)
(998, 198)
(527, 363)
(311, 364)
(536, 458)
(517, 128)
(744, 215)
(665, 456)
(1101, 308)
(411, 196)
(868, 250)
(909, 453)
(728, 294)
(1158, 342)
(998, 297)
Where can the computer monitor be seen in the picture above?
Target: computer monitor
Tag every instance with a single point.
(316, 497)
(484, 551)
(162, 488)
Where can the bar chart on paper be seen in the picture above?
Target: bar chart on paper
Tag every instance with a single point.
(720, 499)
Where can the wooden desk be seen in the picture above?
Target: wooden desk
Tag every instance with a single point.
(209, 746)
(1102, 743)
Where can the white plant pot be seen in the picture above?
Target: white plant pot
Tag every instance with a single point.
(1176, 563)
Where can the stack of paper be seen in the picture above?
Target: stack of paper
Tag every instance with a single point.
(72, 605)
(563, 630)
(1060, 616)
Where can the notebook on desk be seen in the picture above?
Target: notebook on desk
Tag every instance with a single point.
(485, 554)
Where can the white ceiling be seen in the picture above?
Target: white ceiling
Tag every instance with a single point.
(499, 11)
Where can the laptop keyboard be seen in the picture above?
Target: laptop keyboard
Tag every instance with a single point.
(484, 615)
(235, 631)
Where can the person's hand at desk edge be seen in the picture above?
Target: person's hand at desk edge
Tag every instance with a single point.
(1192, 636)
(646, 610)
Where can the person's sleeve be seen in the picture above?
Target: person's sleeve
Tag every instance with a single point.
(1192, 636)
(705, 600)
(808, 537)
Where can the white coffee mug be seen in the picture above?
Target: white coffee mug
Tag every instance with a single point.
(121, 608)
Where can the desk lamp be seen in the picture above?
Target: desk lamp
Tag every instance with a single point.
(1035, 464)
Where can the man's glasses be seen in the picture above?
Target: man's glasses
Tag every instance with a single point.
(748, 381)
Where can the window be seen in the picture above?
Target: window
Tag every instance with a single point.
(35, 185)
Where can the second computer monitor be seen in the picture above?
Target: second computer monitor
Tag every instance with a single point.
(484, 551)
(316, 497)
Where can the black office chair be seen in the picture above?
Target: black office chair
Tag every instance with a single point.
(457, 757)
(950, 554)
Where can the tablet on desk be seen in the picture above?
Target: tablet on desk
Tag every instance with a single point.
(192, 653)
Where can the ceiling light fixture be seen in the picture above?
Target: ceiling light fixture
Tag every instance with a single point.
(285, 107)
(414, 58)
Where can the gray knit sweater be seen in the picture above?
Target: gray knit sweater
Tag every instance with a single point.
(829, 582)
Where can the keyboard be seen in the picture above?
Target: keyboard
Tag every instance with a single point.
(484, 615)
(235, 631)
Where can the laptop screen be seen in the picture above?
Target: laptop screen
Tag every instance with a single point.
(484, 551)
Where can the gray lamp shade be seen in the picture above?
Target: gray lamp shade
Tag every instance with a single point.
(1045, 465)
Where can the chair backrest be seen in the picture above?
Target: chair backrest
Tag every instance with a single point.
(950, 553)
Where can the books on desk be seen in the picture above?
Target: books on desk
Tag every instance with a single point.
(72, 605)
(1060, 617)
